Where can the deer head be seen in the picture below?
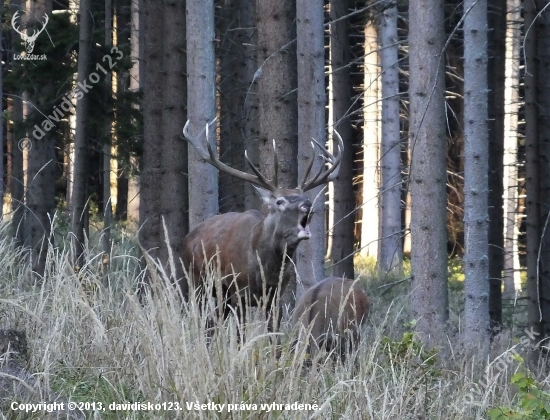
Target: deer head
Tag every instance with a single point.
(253, 250)
(29, 40)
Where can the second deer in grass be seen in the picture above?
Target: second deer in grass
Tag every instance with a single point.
(333, 312)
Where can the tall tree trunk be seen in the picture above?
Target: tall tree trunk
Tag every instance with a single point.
(238, 100)
(311, 124)
(476, 167)
(17, 181)
(543, 103)
(107, 130)
(2, 141)
(496, 48)
(79, 199)
(40, 180)
(371, 147)
(201, 100)
(512, 281)
(277, 84)
(136, 44)
(428, 175)
(174, 186)
(391, 241)
(150, 231)
(341, 189)
(163, 167)
(532, 174)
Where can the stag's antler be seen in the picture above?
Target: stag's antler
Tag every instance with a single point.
(323, 176)
(211, 158)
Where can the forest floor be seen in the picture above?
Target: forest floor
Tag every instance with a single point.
(92, 341)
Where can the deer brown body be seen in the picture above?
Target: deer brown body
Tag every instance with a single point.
(254, 251)
(334, 310)
(246, 246)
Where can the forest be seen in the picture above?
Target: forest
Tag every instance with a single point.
(275, 209)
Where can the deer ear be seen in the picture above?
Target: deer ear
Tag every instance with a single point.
(264, 194)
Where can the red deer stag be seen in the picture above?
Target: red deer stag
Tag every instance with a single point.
(333, 311)
(253, 250)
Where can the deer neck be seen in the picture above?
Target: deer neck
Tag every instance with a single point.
(272, 244)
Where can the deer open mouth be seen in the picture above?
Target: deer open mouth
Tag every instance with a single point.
(303, 226)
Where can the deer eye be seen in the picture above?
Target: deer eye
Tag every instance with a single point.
(280, 202)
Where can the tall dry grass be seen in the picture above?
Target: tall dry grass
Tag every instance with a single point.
(91, 339)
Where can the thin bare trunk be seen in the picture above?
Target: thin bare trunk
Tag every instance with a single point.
(391, 243)
(107, 202)
(428, 175)
(311, 124)
(532, 172)
(543, 103)
(341, 190)
(201, 100)
(79, 199)
(512, 281)
(496, 52)
(277, 84)
(136, 43)
(173, 186)
(41, 163)
(238, 100)
(371, 147)
(476, 187)
(150, 231)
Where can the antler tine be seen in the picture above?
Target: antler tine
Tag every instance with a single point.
(323, 176)
(194, 142)
(308, 169)
(266, 184)
(275, 165)
(211, 158)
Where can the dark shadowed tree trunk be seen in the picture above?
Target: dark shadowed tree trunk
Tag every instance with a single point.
(18, 133)
(238, 100)
(17, 177)
(40, 192)
(496, 53)
(151, 232)
(476, 167)
(341, 104)
(311, 124)
(276, 77)
(543, 55)
(79, 199)
(107, 130)
(537, 145)
(174, 188)
(163, 167)
(201, 100)
(428, 176)
(390, 251)
(532, 174)
(2, 140)
(277, 84)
